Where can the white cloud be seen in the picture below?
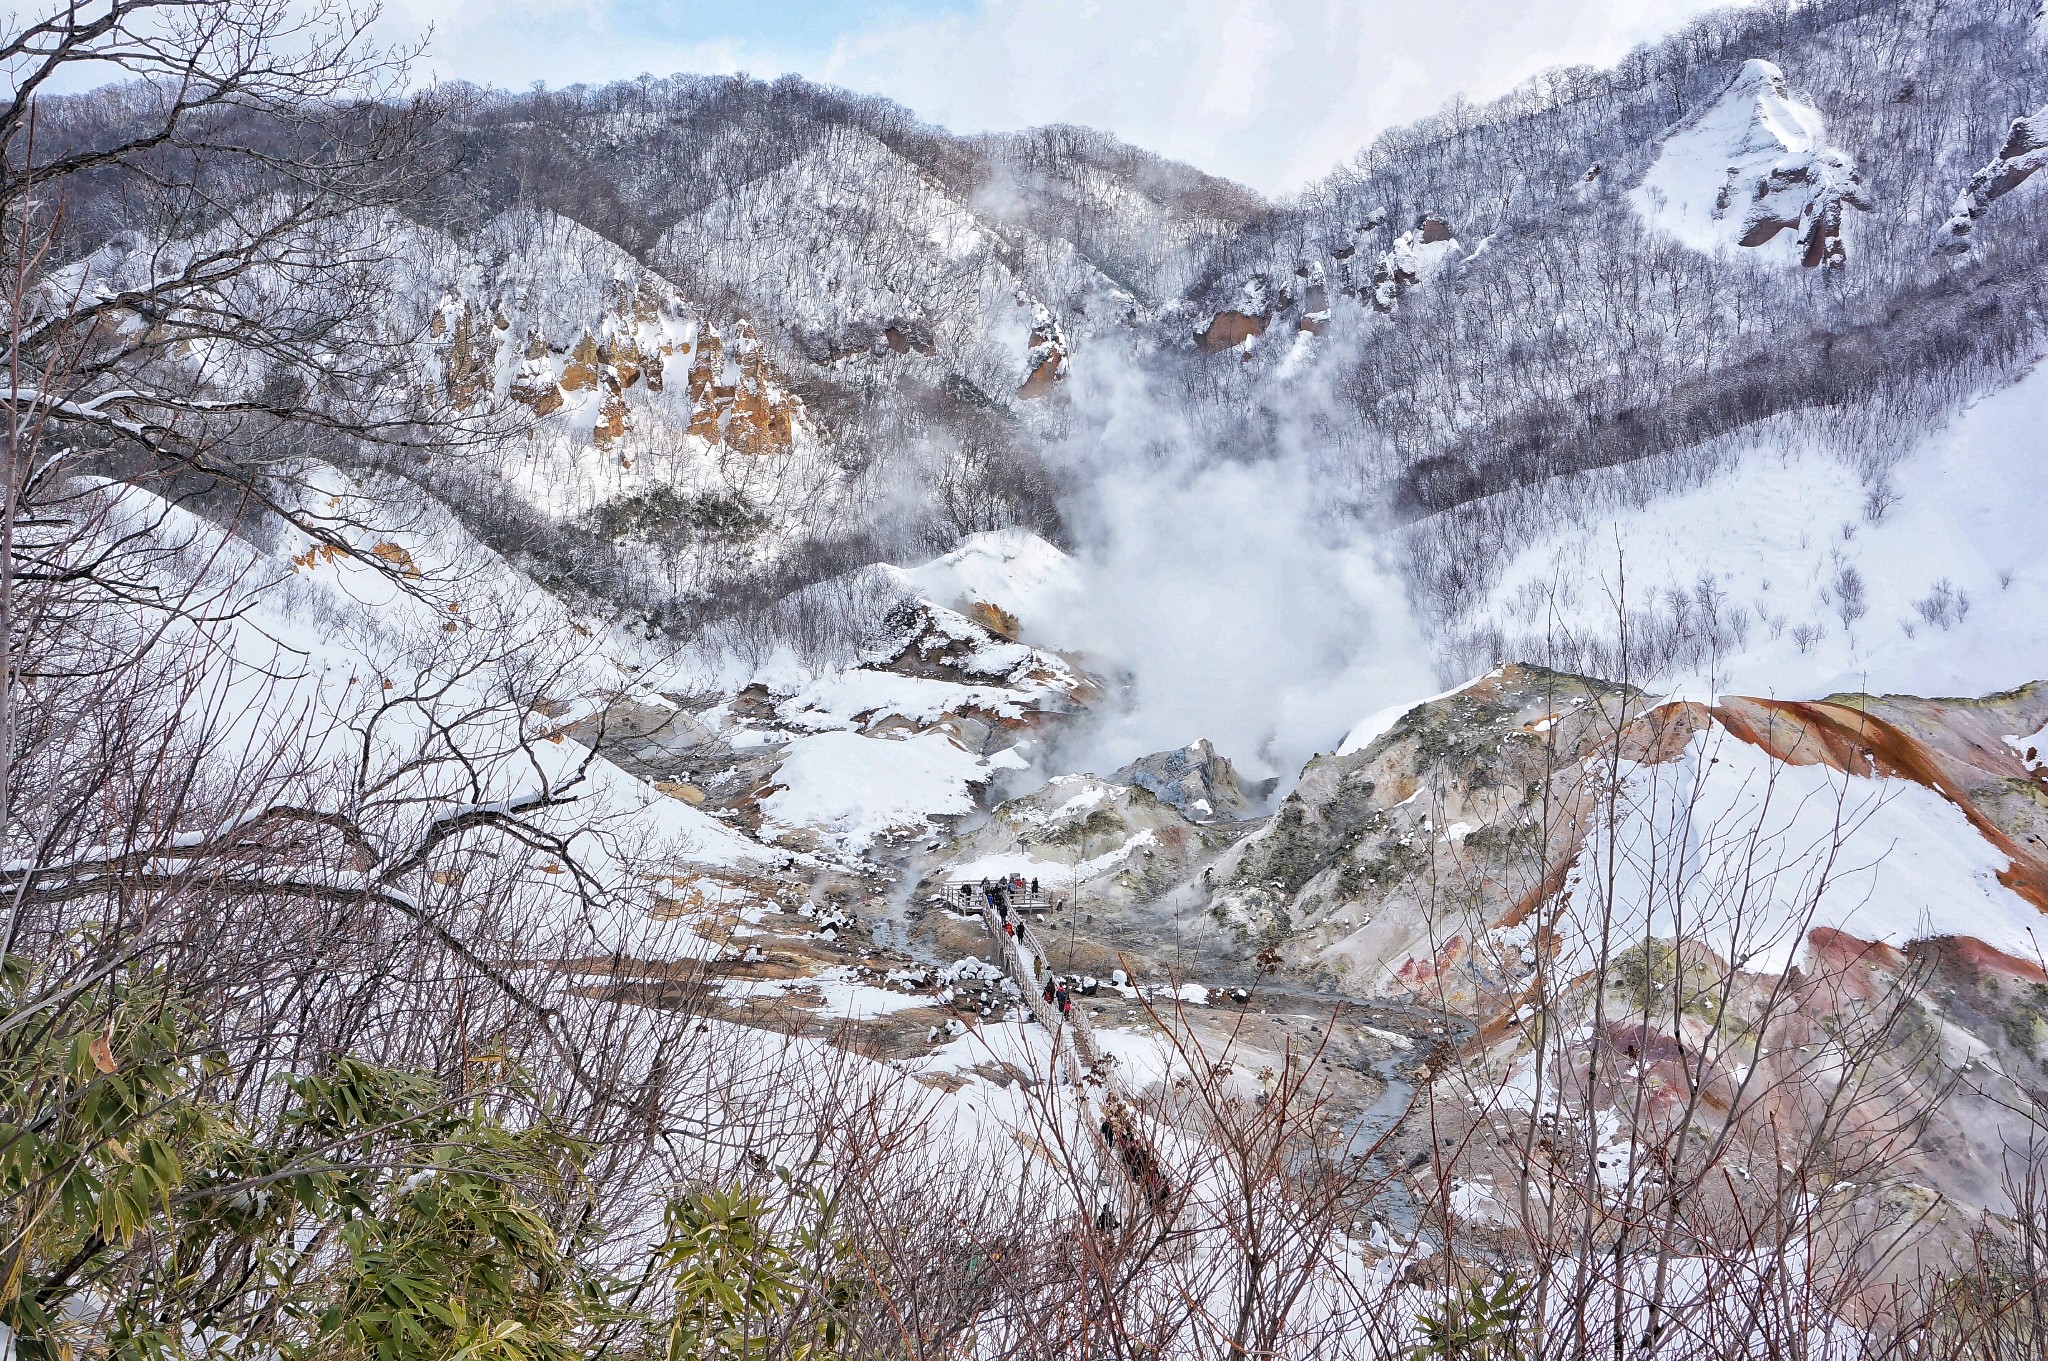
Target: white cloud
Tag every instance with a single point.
(513, 43)
(1270, 92)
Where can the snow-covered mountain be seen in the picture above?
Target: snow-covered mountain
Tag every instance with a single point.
(878, 529)
(1550, 348)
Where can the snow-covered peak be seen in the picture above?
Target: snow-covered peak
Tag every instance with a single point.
(1749, 168)
(846, 241)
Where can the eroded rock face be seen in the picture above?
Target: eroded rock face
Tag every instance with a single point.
(645, 333)
(1229, 329)
(1750, 922)
(1440, 856)
(1958, 748)
(1381, 865)
(1435, 859)
(1046, 363)
(1415, 257)
(1315, 299)
(927, 641)
(1751, 166)
(465, 370)
(905, 339)
(737, 401)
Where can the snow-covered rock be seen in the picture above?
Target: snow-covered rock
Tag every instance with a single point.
(1416, 256)
(1118, 847)
(1046, 362)
(1237, 327)
(1012, 569)
(1751, 166)
(2025, 151)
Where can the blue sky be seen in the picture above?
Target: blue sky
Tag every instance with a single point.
(1273, 93)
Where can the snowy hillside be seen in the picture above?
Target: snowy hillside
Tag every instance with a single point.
(1783, 572)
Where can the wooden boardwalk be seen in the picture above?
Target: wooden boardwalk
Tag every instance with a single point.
(1136, 1180)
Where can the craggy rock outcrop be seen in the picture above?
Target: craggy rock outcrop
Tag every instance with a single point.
(1046, 363)
(904, 338)
(738, 403)
(1193, 779)
(2025, 151)
(1315, 298)
(614, 372)
(925, 640)
(1754, 164)
(1377, 868)
(1415, 257)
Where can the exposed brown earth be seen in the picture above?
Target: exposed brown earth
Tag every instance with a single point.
(1229, 329)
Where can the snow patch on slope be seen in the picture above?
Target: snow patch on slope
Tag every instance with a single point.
(1749, 854)
(854, 790)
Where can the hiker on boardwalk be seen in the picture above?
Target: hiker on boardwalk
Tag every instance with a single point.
(1048, 991)
(1034, 888)
(1061, 999)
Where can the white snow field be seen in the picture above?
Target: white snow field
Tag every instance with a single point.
(855, 790)
(305, 646)
(1953, 585)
